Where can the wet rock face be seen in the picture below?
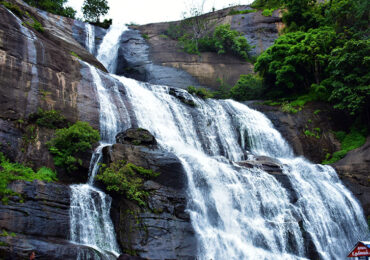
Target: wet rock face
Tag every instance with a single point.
(38, 71)
(162, 230)
(292, 127)
(38, 220)
(134, 61)
(353, 170)
(207, 67)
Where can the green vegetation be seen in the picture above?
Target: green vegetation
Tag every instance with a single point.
(247, 87)
(247, 11)
(127, 179)
(93, 9)
(268, 12)
(223, 40)
(105, 24)
(75, 55)
(200, 92)
(324, 53)
(349, 141)
(13, 7)
(54, 7)
(48, 118)
(15, 171)
(145, 36)
(69, 143)
(314, 133)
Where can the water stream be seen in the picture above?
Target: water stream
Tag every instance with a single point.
(237, 212)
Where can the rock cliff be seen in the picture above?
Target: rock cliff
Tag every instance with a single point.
(160, 60)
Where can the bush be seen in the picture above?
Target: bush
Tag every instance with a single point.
(248, 87)
(48, 118)
(15, 171)
(268, 12)
(200, 92)
(13, 7)
(127, 179)
(354, 139)
(227, 40)
(70, 142)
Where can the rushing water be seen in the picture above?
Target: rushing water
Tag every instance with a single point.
(90, 38)
(241, 213)
(237, 212)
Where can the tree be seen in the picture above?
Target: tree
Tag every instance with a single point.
(350, 77)
(93, 9)
(197, 22)
(298, 60)
(53, 6)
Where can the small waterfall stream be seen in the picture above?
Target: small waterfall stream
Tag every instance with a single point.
(237, 212)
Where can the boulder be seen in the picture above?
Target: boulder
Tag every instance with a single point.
(136, 136)
(354, 170)
(162, 230)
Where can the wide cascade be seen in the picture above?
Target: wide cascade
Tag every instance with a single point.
(237, 212)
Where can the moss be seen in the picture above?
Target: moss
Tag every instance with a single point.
(127, 179)
(75, 55)
(145, 36)
(349, 141)
(200, 92)
(15, 171)
(316, 112)
(48, 118)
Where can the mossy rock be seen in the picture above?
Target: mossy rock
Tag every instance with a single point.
(136, 136)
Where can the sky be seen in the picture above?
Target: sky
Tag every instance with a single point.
(153, 11)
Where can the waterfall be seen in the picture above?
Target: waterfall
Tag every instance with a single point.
(90, 207)
(90, 38)
(241, 213)
(108, 49)
(237, 212)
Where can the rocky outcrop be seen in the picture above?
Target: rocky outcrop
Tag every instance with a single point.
(162, 230)
(354, 171)
(37, 219)
(159, 59)
(38, 70)
(319, 118)
(136, 136)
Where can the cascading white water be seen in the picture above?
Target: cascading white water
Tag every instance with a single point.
(90, 207)
(108, 49)
(241, 213)
(237, 213)
(90, 38)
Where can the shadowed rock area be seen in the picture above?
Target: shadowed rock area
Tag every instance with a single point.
(163, 229)
(37, 219)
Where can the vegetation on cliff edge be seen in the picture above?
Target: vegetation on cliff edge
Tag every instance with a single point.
(70, 143)
(127, 179)
(15, 171)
